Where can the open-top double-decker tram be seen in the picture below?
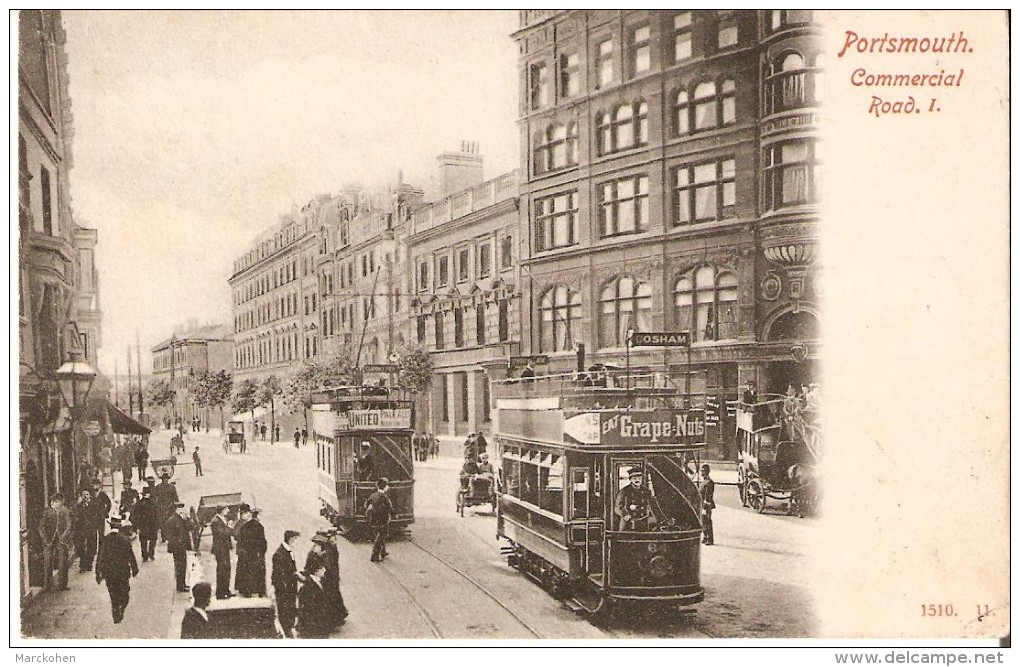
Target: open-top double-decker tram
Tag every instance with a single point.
(569, 450)
(361, 435)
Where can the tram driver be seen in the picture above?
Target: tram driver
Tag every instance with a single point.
(363, 463)
(635, 504)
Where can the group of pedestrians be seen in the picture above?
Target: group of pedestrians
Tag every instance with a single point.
(425, 445)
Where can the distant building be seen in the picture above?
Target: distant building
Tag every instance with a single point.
(670, 180)
(59, 316)
(181, 359)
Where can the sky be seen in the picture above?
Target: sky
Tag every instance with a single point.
(195, 131)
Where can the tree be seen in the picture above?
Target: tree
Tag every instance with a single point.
(415, 374)
(269, 390)
(160, 393)
(313, 375)
(212, 390)
(245, 397)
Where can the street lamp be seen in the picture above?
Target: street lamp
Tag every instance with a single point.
(75, 378)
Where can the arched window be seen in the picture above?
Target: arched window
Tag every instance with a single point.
(714, 105)
(623, 128)
(641, 124)
(604, 127)
(705, 303)
(556, 141)
(538, 155)
(561, 318)
(625, 304)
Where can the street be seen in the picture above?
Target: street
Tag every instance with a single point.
(445, 578)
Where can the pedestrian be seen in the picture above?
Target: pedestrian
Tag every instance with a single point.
(85, 535)
(707, 491)
(179, 542)
(433, 444)
(116, 564)
(196, 621)
(262, 430)
(331, 579)
(128, 498)
(103, 505)
(198, 462)
(313, 605)
(222, 534)
(146, 520)
(482, 442)
(297, 438)
(285, 580)
(250, 579)
(379, 508)
(528, 374)
(276, 433)
(304, 436)
(165, 497)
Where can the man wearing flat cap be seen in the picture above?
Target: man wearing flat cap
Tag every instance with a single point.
(634, 503)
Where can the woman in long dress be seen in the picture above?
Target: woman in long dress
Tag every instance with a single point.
(251, 557)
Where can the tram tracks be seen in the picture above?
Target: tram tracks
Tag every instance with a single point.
(433, 623)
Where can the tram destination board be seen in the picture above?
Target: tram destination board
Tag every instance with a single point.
(660, 339)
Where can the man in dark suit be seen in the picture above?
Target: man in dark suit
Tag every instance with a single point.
(379, 509)
(285, 580)
(143, 516)
(165, 496)
(177, 530)
(707, 491)
(116, 564)
(222, 545)
(57, 537)
(142, 460)
(314, 611)
(85, 536)
(196, 621)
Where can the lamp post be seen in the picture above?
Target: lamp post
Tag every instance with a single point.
(74, 379)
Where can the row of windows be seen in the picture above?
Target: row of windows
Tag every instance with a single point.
(267, 281)
(702, 192)
(271, 350)
(266, 248)
(286, 305)
(704, 303)
(462, 264)
(462, 315)
(693, 34)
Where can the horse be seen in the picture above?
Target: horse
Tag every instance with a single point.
(804, 481)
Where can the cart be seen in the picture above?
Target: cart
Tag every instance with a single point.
(210, 506)
(476, 490)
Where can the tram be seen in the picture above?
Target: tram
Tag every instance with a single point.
(361, 435)
(567, 451)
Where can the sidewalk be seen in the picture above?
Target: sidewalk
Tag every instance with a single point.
(83, 611)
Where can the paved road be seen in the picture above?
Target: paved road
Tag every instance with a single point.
(445, 578)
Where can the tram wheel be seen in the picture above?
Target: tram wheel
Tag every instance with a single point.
(755, 495)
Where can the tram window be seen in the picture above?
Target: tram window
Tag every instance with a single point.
(550, 480)
(579, 489)
(511, 470)
(529, 480)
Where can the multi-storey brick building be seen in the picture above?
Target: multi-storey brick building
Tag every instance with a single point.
(669, 183)
(463, 250)
(58, 305)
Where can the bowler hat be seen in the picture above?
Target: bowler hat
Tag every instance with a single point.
(636, 471)
(115, 521)
(319, 538)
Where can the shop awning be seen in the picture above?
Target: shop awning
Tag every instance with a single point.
(119, 422)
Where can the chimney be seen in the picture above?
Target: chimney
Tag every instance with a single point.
(457, 171)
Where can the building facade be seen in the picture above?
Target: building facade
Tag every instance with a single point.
(180, 360)
(670, 174)
(58, 305)
(466, 309)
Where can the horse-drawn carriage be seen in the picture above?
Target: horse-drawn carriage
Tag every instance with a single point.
(233, 438)
(779, 452)
(210, 506)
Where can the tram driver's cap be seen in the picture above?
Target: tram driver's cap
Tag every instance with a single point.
(636, 471)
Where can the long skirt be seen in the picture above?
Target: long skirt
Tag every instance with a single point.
(251, 573)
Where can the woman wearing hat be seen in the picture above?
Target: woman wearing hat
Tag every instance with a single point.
(250, 579)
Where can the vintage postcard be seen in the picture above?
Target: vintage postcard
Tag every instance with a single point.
(355, 328)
